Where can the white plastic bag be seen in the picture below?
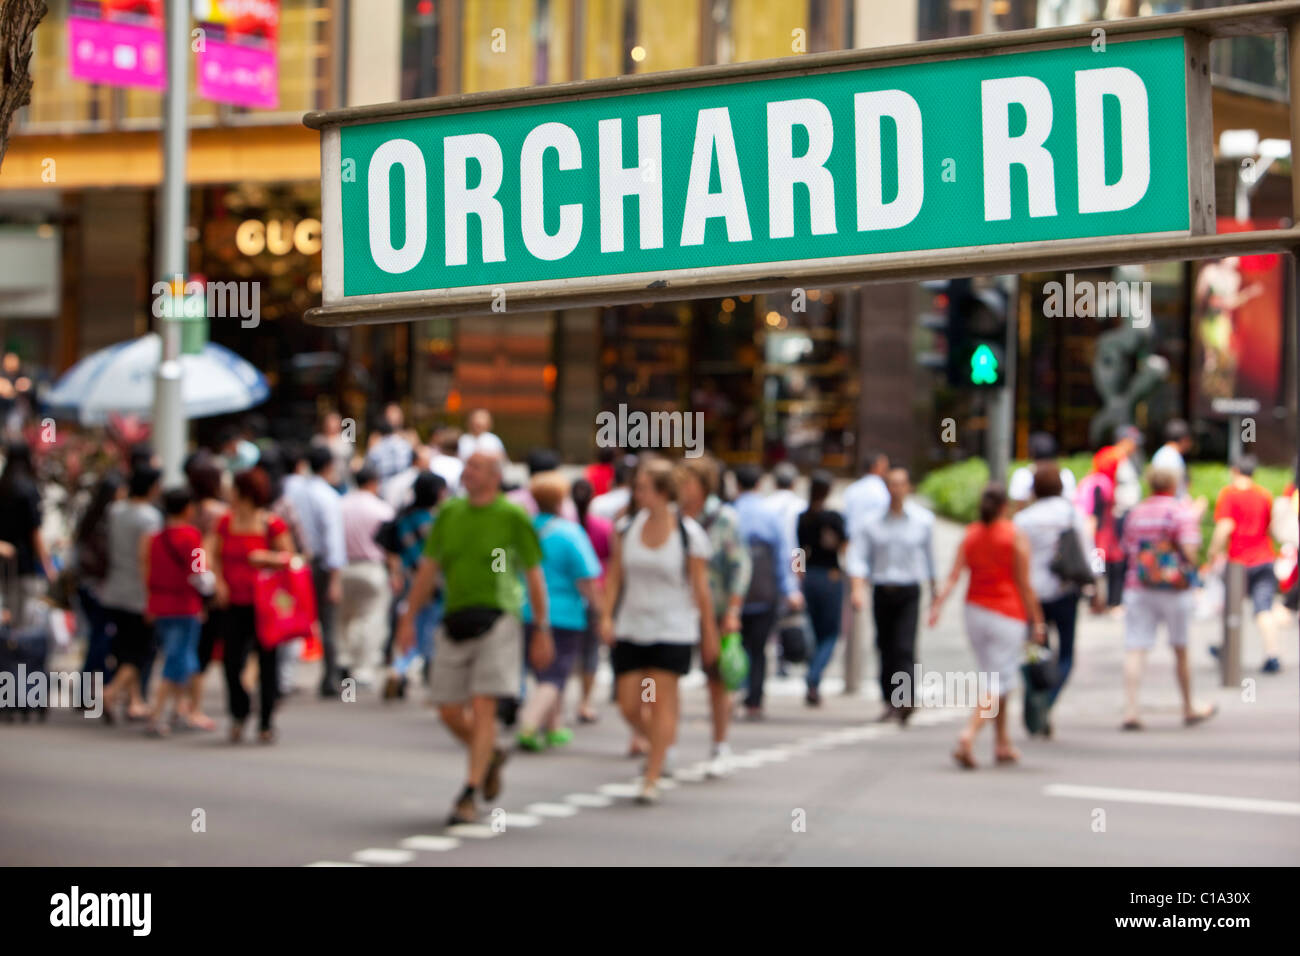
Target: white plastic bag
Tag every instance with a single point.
(1210, 598)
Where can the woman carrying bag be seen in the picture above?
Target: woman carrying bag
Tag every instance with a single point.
(246, 540)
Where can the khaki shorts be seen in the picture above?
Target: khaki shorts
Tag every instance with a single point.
(490, 665)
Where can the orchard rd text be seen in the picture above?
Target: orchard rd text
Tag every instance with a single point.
(1041, 145)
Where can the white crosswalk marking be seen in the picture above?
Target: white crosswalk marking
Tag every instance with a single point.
(474, 831)
(383, 856)
(552, 809)
(430, 844)
(592, 800)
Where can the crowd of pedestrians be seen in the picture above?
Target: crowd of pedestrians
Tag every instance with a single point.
(409, 562)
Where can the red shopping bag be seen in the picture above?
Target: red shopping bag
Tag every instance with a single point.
(284, 604)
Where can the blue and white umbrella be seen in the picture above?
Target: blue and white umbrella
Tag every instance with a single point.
(120, 379)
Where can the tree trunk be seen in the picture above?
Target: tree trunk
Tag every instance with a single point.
(18, 19)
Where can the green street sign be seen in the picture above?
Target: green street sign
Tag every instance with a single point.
(983, 154)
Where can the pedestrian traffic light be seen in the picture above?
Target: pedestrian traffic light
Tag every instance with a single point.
(977, 334)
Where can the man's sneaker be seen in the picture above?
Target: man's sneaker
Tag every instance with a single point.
(492, 779)
(1272, 665)
(464, 810)
(720, 763)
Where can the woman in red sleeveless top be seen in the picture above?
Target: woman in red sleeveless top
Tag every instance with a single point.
(1000, 606)
(245, 540)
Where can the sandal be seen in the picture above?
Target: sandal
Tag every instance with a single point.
(1191, 720)
(266, 737)
(964, 756)
(1007, 756)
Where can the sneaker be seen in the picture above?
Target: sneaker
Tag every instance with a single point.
(530, 741)
(559, 737)
(719, 765)
(1214, 651)
(464, 810)
(649, 795)
(492, 779)
(1272, 665)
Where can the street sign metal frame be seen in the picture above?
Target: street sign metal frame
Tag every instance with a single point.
(1196, 27)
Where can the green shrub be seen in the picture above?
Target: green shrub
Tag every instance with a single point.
(954, 490)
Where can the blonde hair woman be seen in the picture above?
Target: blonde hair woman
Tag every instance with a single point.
(657, 607)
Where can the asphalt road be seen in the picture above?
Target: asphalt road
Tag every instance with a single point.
(371, 783)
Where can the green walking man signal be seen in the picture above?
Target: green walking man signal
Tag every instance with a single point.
(983, 366)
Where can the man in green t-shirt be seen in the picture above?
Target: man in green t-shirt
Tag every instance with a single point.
(479, 543)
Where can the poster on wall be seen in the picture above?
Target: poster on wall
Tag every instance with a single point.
(1238, 305)
(237, 60)
(117, 42)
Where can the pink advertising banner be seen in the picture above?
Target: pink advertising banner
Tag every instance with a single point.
(237, 62)
(117, 42)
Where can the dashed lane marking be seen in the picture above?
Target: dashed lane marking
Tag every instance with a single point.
(571, 804)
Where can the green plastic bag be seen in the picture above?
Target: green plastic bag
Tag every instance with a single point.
(733, 662)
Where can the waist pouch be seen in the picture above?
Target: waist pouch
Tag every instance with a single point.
(470, 622)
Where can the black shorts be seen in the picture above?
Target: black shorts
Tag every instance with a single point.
(133, 638)
(674, 658)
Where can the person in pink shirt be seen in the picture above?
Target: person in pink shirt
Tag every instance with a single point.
(368, 584)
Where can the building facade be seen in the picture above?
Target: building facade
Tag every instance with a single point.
(813, 377)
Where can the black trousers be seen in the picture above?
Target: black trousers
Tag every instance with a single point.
(755, 629)
(239, 636)
(896, 609)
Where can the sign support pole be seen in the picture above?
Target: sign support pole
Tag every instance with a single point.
(168, 410)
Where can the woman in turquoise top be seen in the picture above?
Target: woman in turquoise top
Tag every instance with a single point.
(572, 572)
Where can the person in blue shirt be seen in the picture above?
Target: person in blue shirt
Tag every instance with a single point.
(772, 580)
(572, 572)
(409, 531)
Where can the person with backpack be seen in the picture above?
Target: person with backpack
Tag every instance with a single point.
(772, 580)
(174, 575)
(1059, 570)
(657, 608)
(895, 554)
(1162, 537)
(729, 571)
